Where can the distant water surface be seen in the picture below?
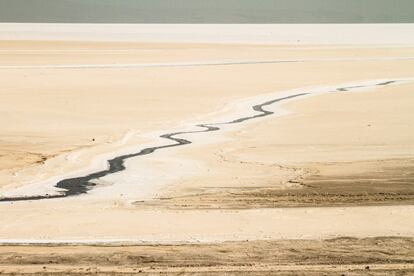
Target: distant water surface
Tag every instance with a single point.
(207, 11)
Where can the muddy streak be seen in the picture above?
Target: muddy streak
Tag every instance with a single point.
(81, 185)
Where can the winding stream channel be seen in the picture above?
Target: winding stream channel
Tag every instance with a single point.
(81, 185)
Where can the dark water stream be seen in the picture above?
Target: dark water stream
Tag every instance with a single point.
(81, 185)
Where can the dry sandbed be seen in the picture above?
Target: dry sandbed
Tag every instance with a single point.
(385, 182)
(342, 256)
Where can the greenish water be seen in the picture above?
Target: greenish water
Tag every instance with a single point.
(208, 11)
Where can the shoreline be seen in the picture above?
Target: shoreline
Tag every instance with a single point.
(296, 34)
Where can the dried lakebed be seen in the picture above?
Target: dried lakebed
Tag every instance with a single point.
(81, 185)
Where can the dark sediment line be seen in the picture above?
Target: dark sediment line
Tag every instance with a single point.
(81, 185)
(344, 89)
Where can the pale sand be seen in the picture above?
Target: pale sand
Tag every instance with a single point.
(336, 133)
(107, 222)
(94, 89)
(79, 221)
(56, 112)
(292, 34)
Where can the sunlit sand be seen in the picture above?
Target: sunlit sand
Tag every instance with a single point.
(205, 140)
